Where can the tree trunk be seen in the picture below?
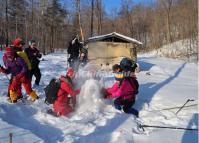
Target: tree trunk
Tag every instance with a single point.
(51, 38)
(92, 13)
(43, 31)
(7, 23)
(32, 23)
(169, 26)
(99, 17)
(79, 19)
(26, 30)
(16, 27)
(167, 5)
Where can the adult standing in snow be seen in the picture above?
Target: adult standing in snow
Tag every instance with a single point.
(62, 105)
(124, 91)
(18, 69)
(74, 52)
(34, 55)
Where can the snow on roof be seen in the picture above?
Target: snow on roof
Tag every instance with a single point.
(114, 34)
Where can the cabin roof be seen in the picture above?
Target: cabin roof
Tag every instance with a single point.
(113, 37)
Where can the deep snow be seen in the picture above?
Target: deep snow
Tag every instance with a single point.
(163, 83)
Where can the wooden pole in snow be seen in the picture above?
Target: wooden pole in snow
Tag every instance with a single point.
(10, 137)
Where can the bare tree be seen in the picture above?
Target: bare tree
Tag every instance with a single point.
(99, 16)
(167, 5)
(78, 11)
(7, 23)
(92, 16)
(162, 22)
(125, 11)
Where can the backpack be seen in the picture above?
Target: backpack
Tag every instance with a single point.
(134, 83)
(51, 91)
(128, 64)
(24, 56)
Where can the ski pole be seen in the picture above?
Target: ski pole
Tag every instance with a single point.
(167, 127)
(183, 105)
(177, 107)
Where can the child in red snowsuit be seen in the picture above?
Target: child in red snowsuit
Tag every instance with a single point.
(62, 104)
(17, 67)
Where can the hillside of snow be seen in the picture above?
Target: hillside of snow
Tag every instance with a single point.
(164, 83)
(182, 49)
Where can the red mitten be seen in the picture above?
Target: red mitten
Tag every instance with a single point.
(77, 91)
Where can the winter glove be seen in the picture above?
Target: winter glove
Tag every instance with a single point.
(39, 55)
(73, 102)
(107, 96)
(77, 91)
(104, 93)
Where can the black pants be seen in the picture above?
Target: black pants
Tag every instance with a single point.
(126, 105)
(36, 72)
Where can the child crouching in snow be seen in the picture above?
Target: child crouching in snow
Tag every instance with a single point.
(124, 90)
(62, 105)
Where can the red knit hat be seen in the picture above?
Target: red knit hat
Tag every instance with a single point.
(70, 72)
(17, 42)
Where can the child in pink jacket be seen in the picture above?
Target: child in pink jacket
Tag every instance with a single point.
(124, 90)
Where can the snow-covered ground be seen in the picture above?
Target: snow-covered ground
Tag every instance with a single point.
(163, 82)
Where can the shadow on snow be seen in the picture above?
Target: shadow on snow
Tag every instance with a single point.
(22, 117)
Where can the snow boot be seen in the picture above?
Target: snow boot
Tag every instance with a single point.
(9, 100)
(132, 111)
(13, 97)
(34, 96)
(51, 112)
(19, 97)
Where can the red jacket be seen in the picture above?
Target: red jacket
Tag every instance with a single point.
(62, 104)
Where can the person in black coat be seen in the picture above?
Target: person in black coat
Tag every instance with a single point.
(74, 52)
(34, 55)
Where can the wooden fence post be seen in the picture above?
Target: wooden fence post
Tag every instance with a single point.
(10, 137)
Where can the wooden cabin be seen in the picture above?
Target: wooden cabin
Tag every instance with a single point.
(111, 48)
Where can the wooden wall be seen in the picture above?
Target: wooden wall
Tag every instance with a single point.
(103, 53)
